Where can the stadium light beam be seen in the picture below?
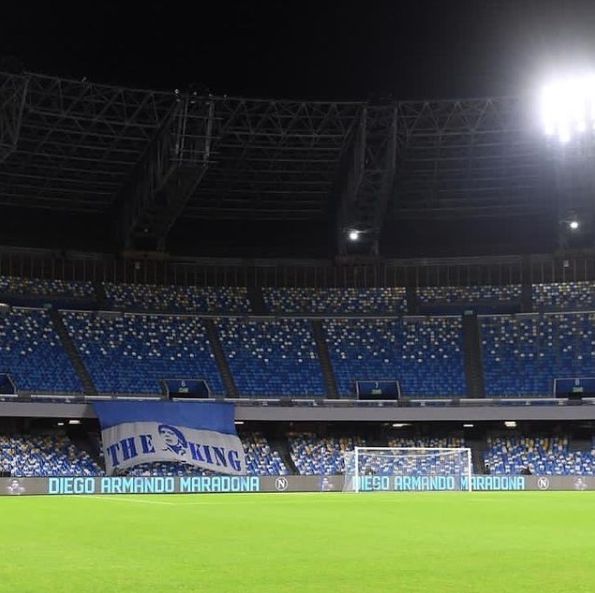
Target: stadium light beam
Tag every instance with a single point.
(568, 107)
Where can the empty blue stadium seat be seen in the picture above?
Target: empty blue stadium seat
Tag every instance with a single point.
(43, 287)
(177, 299)
(469, 294)
(543, 456)
(315, 456)
(559, 296)
(384, 301)
(131, 353)
(427, 442)
(261, 459)
(44, 455)
(31, 352)
(272, 358)
(523, 354)
(424, 354)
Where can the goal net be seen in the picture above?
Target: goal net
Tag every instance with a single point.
(382, 469)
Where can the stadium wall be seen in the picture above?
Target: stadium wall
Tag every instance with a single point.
(347, 272)
(234, 484)
(461, 410)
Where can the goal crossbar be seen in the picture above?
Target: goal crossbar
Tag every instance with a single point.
(356, 449)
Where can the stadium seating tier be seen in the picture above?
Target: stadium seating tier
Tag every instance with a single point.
(273, 357)
(524, 354)
(177, 299)
(132, 353)
(44, 455)
(469, 294)
(424, 354)
(379, 301)
(40, 287)
(559, 296)
(541, 456)
(31, 352)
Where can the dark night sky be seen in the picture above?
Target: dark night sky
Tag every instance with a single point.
(332, 49)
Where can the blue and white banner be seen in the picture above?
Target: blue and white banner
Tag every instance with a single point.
(202, 434)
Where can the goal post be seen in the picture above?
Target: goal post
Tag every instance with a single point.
(377, 469)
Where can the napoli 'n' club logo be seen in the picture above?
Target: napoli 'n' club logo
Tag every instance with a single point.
(281, 483)
(543, 483)
(173, 439)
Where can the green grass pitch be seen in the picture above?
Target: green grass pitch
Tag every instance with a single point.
(540, 542)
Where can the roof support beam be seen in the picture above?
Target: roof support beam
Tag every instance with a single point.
(470, 157)
(369, 178)
(167, 175)
(13, 90)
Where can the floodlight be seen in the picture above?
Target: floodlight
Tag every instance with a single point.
(468, 425)
(573, 224)
(353, 235)
(74, 422)
(510, 423)
(568, 107)
(400, 425)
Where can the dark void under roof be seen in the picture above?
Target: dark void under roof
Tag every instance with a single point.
(132, 168)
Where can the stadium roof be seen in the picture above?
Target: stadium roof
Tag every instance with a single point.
(147, 163)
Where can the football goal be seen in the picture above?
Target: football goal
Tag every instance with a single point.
(377, 469)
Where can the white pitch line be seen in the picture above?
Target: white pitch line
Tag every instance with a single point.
(126, 498)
